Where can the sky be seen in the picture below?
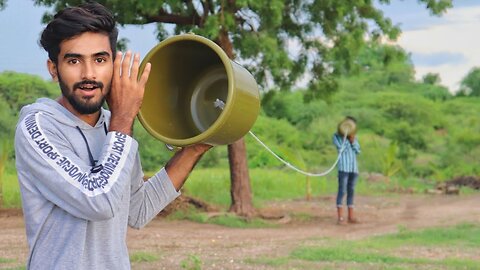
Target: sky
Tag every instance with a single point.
(447, 45)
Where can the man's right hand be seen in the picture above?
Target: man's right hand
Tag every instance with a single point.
(126, 93)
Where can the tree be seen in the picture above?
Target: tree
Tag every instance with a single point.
(470, 84)
(19, 89)
(385, 64)
(431, 78)
(279, 41)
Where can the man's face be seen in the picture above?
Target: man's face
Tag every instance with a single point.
(84, 72)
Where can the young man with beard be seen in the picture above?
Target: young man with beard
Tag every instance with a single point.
(78, 166)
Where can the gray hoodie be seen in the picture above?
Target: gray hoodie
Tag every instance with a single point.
(76, 213)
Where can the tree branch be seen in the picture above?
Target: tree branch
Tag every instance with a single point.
(164, 17)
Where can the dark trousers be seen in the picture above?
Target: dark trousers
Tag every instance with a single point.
(346, 184)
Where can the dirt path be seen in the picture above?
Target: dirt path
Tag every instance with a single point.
(219, 247)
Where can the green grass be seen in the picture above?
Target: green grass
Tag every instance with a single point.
(345, 253)
(213, 185)
(463, 235)
(5, 261)
(142, 256)
(458, 247)
(11, 191)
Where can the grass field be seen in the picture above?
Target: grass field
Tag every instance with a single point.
(433, 248)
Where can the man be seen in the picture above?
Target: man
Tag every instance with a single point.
(78, 166)
(347, 169)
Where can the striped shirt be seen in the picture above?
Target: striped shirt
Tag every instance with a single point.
(348, 158)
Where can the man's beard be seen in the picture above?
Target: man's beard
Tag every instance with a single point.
(82, 106)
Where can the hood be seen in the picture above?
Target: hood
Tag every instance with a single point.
(60, 113)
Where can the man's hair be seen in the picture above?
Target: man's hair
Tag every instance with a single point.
(73, 21)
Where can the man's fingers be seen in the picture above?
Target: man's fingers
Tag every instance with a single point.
(145, 74)
(135, 66)
(116, 67)
(126, 64)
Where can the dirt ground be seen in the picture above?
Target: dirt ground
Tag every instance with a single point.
(218, 247)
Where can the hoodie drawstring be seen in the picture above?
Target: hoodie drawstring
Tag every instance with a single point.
(93, 162)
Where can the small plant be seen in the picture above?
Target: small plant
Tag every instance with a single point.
(192, 262)
(391, 164)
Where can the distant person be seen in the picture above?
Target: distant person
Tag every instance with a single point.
(347, 168)
(78, 166)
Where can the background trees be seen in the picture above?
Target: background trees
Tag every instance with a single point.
(470, 84)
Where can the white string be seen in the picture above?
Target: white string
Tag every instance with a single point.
(299, 170)
(220, 104)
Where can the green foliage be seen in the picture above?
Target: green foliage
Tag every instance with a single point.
(431, 78)
(405, 107)
(434, 92)
(279, 133)
(386, 65)
(391, 164)
(7, 120)
(292, 107)
(329, 35)
(153, 152)
(409, 135)
(19, 89)
(470, 84)
(202, 183)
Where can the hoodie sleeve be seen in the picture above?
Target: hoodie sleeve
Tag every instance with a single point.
(150, 197)
(47, 164)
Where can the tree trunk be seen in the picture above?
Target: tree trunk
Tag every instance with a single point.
(240, 189)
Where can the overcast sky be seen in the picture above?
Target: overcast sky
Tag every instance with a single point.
(448, 45)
